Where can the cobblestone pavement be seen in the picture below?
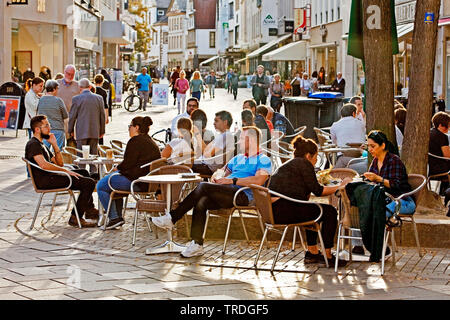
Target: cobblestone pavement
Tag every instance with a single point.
(56, 261)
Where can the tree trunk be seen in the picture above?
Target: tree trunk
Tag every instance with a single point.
(420, 97)
(379, 74)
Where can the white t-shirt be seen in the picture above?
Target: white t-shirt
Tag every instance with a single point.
(225, 143)
(348, 130)
(180, 146)
(175, 122)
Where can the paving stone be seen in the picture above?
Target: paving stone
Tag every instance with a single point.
(50, 294)
(93, 295)
(43, 284)
(123, 275)
(12, 296)
(160, 287)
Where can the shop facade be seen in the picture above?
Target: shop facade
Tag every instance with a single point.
(35, 35)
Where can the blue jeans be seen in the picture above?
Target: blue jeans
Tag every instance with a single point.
(60, 139)
(197, 95)
(118, 182)
(408, 206)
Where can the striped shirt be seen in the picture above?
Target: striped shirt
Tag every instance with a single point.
(55, 110)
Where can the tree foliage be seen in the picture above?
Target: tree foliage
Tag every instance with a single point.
(143, 42)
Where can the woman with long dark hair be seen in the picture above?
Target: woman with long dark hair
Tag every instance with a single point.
(140, 150)
(297, 179)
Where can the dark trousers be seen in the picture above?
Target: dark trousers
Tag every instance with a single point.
(207, 196)
(84, 184)
(93, 144)
(286, 211)
(261, 100)
(235, 91)
(203, 169)
(174, 91)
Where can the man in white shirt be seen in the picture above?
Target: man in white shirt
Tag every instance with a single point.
(347, 130)
(192, 104)
(223, 144)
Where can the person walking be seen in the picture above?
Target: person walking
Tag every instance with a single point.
(143, 82)
(54, 109)
(277, 93)
(260, 83)
(234, 84)
(197, 86)
(181, 86)
(173, 78)
(68, 88)
(88, 115)
(211, 82)
(305, 85)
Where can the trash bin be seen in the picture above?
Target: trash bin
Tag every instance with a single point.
(15, 89)
(302, 111)
(331, 110)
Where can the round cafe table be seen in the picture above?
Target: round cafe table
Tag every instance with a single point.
(168, 179)
(100, 163)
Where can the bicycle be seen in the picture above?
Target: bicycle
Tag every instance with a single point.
(133, 102)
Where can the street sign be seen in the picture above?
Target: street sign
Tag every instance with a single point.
(289, 26)
(300, 20)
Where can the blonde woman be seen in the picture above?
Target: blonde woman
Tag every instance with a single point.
(181, 86)
(180, 149)
(197, 85)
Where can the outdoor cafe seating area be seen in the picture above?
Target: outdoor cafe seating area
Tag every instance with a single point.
(242, 237)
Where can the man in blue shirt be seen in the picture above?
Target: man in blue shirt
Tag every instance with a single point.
(252, 167)
(144, 82)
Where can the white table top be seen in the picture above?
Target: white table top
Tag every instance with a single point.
(169, 179)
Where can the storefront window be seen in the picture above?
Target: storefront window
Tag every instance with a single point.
(35, 45)
(85, 63)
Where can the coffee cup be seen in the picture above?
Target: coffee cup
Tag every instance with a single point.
(86, 150)
(109, 154)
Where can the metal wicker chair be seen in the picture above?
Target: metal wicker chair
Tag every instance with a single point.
(56, 191)
(264, 204)
(350, 220)
(159, 205)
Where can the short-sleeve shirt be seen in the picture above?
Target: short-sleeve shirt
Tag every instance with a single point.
(242, 166)
(67, 91)
(180, 146)
(55, 110)
(144, 81)
(34, 148)
(437, 141)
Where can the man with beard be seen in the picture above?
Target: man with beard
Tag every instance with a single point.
(37, 153)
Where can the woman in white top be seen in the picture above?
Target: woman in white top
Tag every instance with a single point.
(31, 102)
(305, 85)
(180, 150)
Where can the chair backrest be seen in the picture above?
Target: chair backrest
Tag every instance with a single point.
(340, 173)
(117, 143)
(322, 137)
(263, 203)
(350, 216)
(68, 158)
(417, 182)
(300, 130)
(73, 151)
(31, 174)
(176, 188)
(154, 165)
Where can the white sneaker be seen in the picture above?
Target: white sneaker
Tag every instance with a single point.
(193, 250)
(163, 222)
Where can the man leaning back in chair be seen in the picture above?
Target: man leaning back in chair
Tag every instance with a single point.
(252, 167)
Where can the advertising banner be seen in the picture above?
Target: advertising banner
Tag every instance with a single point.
(117, 79)
(9, 112)
(160, 95)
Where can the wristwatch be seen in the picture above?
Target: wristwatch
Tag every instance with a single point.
(235, 181)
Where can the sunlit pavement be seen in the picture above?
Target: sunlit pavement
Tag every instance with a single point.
(56, 261)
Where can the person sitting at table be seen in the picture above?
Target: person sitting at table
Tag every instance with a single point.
(38, 153)
(297, 179)
(140, 150)
(439, 146)
(200, 121)
(280, 123)
(389, 170)
(251, 167)
(263, 111)
(223, 144)
(347, 130)
(180, 150)
(259, 120)
(191, 105)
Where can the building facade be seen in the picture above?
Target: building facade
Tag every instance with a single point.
(38, 34)
(176, 14)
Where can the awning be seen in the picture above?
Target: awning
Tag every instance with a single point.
(291, 52)
(404, 29)
(267, 46)
(209, 60)
(444, 22)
